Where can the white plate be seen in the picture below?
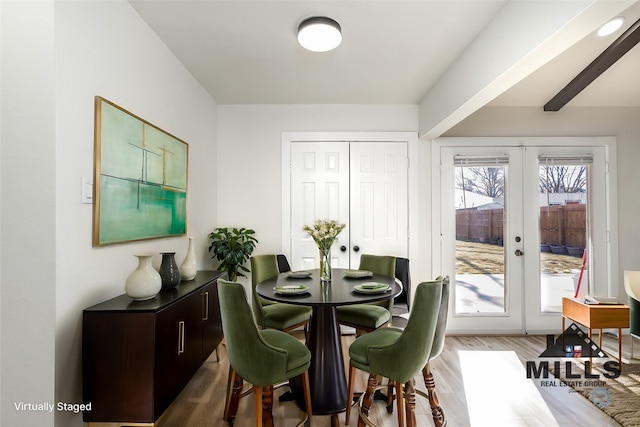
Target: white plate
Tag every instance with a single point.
(298, 274)
(291, 289)
(357, 274)
(372, 288)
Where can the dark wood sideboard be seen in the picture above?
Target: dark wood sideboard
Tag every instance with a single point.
(138, 355)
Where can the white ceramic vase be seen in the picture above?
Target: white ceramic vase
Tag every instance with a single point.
(188, 267)
(144, 282)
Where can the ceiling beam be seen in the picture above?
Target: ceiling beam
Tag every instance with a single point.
(606, 59)
(522, 37)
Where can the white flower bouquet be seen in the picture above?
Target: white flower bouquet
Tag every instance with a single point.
(324, 232)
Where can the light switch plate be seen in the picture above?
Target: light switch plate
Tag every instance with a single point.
(87, 190)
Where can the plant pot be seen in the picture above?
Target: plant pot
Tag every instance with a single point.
(575, 251)
(559, 249)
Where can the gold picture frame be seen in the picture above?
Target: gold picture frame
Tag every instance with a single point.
(140, 178)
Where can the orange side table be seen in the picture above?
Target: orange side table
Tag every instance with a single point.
(597, 316)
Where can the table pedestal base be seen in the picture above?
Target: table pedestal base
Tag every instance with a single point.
(326, 374)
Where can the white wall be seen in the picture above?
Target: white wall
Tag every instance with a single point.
(622, 123)
(100, 48)
(249, 162)
(27, 227)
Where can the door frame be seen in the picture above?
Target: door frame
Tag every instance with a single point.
(606, 279)
(410, 138)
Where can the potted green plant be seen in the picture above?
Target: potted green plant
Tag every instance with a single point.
(232, 247)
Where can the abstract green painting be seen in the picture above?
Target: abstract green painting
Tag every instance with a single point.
(140, 178)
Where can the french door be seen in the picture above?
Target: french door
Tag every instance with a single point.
(361, 184)
(522, 224)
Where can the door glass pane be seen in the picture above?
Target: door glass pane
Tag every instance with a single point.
(563, 229)
(480, 256)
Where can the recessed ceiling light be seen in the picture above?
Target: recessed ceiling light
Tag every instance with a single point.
(611, 26)
(319, 34)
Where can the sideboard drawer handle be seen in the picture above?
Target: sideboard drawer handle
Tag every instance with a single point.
(206, 306)
(180, 337)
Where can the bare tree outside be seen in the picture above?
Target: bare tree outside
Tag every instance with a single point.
(489, 181)
(563, 179)
(486, 180)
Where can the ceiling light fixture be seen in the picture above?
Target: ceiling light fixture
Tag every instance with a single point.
(611, 26)
(319, 34)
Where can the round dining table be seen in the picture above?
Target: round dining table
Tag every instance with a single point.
(326, 374)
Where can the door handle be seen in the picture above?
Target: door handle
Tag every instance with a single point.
(519, 252)
(356, 248)
(343, 248)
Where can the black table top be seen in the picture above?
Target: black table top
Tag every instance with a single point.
(337, 292)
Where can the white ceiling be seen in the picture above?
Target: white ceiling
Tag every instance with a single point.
(619, 86)
(393, 51)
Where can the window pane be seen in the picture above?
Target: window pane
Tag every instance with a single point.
(563, 231)
(480, 257)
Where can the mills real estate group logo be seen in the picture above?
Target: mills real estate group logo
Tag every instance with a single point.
(574, 344)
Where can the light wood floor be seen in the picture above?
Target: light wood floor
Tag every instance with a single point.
(480, 381)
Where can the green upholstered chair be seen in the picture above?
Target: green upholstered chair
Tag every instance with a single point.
(369, 317)
(403, 274)
(437, 347)
(261, 357)
(632, 287)
(283, 263)
(269, 314)
(397, 354)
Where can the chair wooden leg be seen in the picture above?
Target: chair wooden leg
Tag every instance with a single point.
(400, 400)
(234, 389)
(227, 401)
(307, 392)
(390, 388)
(350, 385)
(368, 398)
(258, 392)
(436, 409)
(267, 406)
(410, 403)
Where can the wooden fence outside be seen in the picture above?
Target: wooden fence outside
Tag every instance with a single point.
(559, 225)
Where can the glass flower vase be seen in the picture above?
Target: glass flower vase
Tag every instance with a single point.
(325, 265)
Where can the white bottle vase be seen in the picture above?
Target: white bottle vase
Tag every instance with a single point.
(188, 267)
(144, 282)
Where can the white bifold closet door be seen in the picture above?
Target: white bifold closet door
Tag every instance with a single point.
(361, 184)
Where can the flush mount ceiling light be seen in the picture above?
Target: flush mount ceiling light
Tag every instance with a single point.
(611, 26)
(319, 34)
